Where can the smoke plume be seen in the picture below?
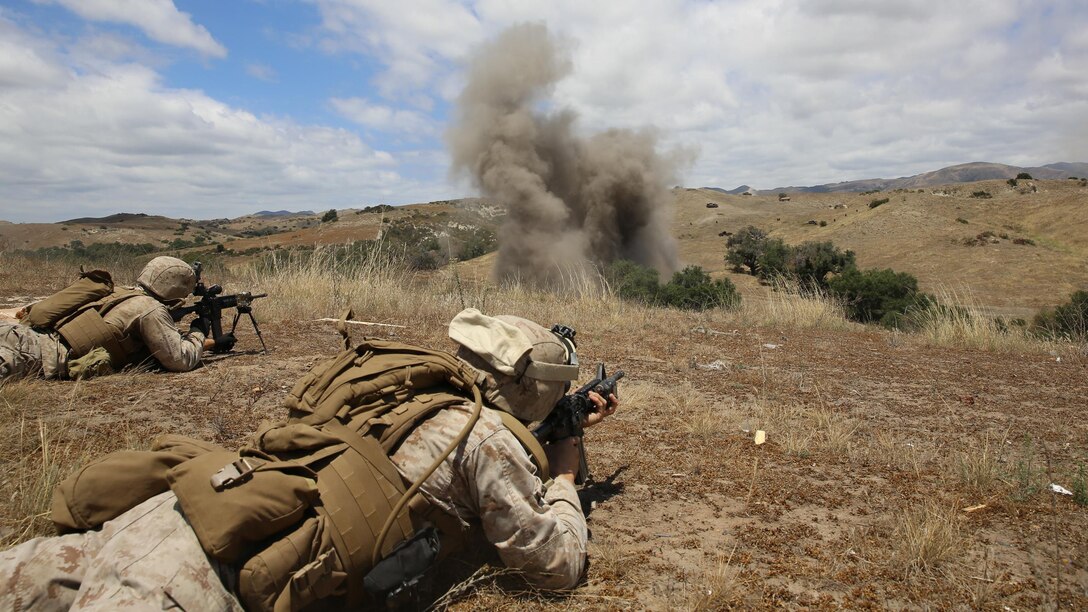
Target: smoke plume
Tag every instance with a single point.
(573, 203)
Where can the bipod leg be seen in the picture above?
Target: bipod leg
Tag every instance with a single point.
(253, 320)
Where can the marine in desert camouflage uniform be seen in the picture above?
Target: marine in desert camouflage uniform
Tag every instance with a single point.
(164, 281)
(150, 558)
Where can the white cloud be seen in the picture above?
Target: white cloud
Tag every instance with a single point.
(160, 20)
(24, 61)
(262, 72)
(383, 118)
(79, 142)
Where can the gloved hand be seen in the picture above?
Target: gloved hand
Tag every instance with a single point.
(225, 343)
(199, 324)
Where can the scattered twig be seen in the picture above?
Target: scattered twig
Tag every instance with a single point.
(332, 320)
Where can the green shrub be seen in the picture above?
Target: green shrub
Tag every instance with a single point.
(633, 282)
(876, 203)
(745, 248)
(1024, 176)
(774, 260)
(1067, 321)
(983, 195)
(690, 289)
(693, 289)
(878, 296)
(480, 241)
(811, 262)
(329, 216)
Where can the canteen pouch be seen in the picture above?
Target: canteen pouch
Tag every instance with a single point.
(234, 501)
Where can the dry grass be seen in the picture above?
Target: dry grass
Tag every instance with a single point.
(958, 320)
(805, 428)
(926, 538)
(892, 449)
(790, 307)
(38, 453)
(979, 467)
(717, 589)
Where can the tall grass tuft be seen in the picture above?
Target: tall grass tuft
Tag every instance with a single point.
(791, 305)
(956, 319)
(927, 538)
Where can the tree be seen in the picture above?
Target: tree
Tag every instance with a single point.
(878, 296)
(774, 260)
(329, 216)
(745, 247)
(813, 261)
(1024, 176)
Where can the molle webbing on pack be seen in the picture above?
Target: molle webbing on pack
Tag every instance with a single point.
(85, 329)
(343, 387)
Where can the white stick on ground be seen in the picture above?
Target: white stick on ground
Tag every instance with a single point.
(331, 320)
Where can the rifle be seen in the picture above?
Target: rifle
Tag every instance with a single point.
(565, 420)
(209, 308)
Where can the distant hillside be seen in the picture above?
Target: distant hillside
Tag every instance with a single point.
(962, 173)
(114, 218)
(737, 191)
(282, 213)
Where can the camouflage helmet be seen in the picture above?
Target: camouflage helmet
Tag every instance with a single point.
(527, 368)
(168, 279)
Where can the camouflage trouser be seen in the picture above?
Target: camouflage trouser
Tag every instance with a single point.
(146, 559)
(24, 352)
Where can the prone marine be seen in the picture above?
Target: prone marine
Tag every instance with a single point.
(122, 326)
(398, 455)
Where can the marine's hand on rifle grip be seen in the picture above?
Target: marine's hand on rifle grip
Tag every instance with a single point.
(199, 324)
(605, 408)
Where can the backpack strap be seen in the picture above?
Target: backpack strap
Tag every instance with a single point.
(529, 441)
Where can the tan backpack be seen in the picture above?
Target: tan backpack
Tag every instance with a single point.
(91, 287)
(76, 313)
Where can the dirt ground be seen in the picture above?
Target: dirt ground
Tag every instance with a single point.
(866, 495)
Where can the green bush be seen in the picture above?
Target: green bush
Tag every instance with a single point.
(99, 252)
(876, 203)
(633, 282)
(774, 260)
(1024, 176)
(690, 289)
(878, 296)
(745, 248)
(1068, 321)
(811, 262)
(329, 216)
(480, 241)
(982, 195)
(1011, 182)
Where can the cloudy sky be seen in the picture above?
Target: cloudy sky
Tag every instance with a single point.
(212, 108)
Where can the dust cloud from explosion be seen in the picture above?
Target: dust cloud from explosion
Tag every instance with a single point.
(574, 204)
